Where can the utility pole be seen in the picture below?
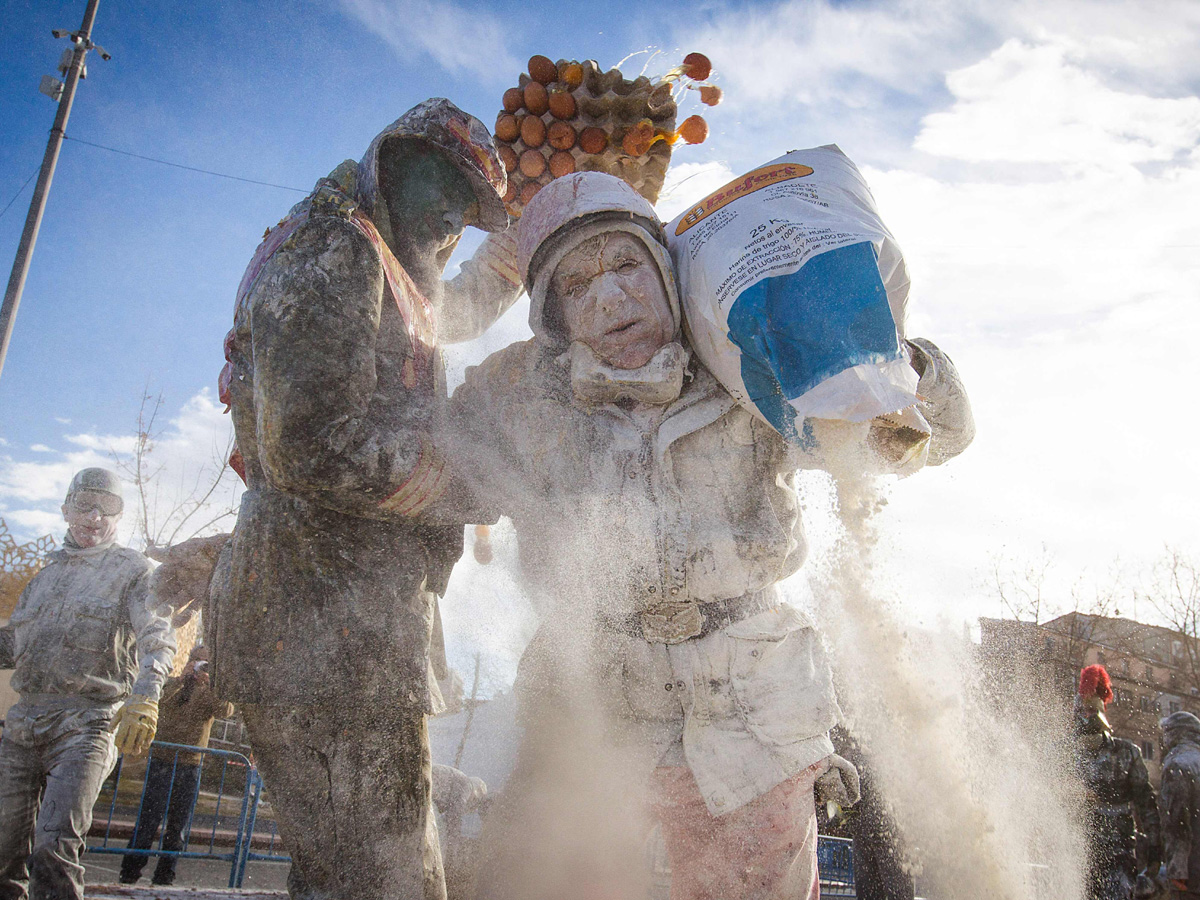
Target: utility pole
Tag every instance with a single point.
(82, 39)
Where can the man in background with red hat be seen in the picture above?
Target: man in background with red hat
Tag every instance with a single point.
(323, 604)
(1119, 797)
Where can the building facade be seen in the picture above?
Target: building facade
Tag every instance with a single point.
(1153, 669)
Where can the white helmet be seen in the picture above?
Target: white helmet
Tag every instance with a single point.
(571, 210)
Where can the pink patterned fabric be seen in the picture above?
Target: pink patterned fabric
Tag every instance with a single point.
(764, 850)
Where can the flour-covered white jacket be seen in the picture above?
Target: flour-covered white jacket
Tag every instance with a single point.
(619, 507)
(85, 631)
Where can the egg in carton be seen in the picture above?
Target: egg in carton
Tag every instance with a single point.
(573, 116)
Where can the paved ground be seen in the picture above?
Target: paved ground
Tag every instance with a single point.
(102, 868)
(122, 892)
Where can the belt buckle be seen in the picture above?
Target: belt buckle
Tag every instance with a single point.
(671, 622)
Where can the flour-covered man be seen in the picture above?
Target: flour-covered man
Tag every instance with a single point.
(90, 655)
(655, 516)
(322, 609)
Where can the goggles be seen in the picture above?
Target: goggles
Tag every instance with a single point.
(87, 502)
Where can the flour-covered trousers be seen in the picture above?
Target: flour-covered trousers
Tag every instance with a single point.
(70, 751)
(763, 850)
(351, 788)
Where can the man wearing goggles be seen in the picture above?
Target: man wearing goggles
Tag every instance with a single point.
(90, 658)
(88, 503)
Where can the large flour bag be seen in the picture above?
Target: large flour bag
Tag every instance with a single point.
(794, 292)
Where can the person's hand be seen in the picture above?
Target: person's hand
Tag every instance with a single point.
(482, 547)
(839, 783)
(181, 582)
(1179, 884)
(455, 793)
(135, 723)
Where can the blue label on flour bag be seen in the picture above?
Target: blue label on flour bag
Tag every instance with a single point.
(797, 330)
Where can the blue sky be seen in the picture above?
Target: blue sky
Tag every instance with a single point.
(1037, 162)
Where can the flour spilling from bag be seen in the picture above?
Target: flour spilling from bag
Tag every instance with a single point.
(965, 753)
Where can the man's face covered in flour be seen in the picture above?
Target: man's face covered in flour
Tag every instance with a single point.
(92, 517)
(430, 203)
(611, 297)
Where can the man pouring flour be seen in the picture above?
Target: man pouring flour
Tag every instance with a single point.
(655, 516)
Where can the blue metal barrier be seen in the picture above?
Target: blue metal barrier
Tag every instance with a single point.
(231, 832)
(835, 865)
(247, 850)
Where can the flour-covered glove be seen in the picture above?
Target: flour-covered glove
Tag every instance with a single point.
(455, 793)
(839, 783)
(135, 723)
(945, 405)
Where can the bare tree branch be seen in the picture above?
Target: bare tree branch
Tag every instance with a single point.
(1020, 586)
(167, 515)
(1173, 589)
(198, 503)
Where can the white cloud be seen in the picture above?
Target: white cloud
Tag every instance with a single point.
(44, 482)
(1032, 104)
(818, 52)
(1068, 301)
(460, 39)
(1149, 45)
(181, 465)
(104, 443)
(807, 72)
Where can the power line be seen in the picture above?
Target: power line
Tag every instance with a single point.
(19, 192)
(163, 162)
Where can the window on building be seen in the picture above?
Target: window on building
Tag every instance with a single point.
(1144, 703)
(1149, 672)
(1148, 749)
(1175, 706)
(1125, 667)
(1100, 658)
